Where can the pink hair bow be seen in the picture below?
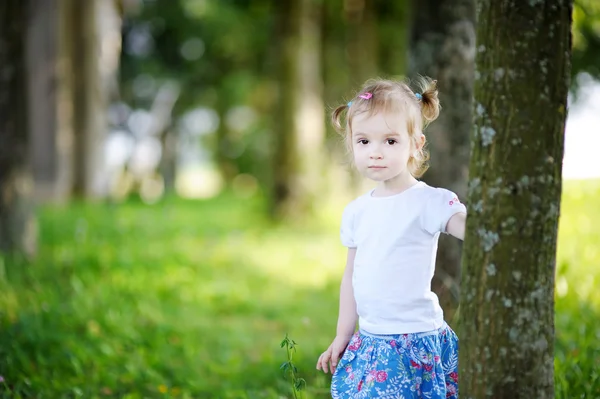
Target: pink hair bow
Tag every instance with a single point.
(366, 96)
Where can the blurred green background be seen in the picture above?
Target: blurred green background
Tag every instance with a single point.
(175, 251)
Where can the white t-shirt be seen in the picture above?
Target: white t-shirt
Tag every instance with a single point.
(396, 243)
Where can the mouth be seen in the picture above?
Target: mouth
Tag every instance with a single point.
(376, 167)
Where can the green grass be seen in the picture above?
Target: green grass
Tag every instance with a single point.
(190, 299)
(577, 351)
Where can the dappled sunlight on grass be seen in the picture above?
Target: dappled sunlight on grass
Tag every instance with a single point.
(578, 255)
(189, 294)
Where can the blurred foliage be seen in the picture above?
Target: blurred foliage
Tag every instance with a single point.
(219, 54)
(188, 299)
(586, 38)
(209, 47)
(227, 47)
(225, 54)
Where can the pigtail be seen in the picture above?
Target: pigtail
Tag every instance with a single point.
(430, 103)
(336, 118)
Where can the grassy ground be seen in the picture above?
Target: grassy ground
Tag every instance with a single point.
(192, 299)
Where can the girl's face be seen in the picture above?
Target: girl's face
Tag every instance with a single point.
(381, 146)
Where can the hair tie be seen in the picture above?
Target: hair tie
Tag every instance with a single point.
(419, 96)
(364, 96)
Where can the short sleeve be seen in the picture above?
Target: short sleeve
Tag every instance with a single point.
(441, 206)
(347, 227)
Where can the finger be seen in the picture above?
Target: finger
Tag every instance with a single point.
(324, 365)
(334, 359)
(325, 360)
(319, 362)
(333, 363)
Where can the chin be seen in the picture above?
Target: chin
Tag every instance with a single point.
(378, 177)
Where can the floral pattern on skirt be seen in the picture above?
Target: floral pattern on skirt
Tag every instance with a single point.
(404, 366)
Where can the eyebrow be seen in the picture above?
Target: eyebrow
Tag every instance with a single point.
(391, 134)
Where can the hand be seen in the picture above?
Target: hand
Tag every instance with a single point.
(329, 359)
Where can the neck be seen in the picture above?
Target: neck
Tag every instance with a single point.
(396, 185)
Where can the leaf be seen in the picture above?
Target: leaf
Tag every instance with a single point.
(288, 367)
(300, 384)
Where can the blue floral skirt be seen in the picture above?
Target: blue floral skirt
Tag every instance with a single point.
(420, 365)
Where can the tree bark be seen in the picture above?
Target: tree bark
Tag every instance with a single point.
(17, 221)
(300, 131)
(50, 141)
(442, 46)
(507, 294)
(89, 98)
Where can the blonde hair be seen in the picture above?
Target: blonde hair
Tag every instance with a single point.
(382, 95)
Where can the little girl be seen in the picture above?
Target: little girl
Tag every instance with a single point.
(403, 348)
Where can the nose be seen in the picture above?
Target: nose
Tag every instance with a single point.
(376, 154)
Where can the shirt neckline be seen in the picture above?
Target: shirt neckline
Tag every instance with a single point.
(417, 184)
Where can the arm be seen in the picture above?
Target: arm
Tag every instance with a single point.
(456, 225)
(347, 319)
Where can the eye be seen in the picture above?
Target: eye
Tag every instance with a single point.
(391, 141)
(363, 141)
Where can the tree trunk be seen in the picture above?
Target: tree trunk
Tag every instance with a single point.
(42, 45)
(507, 294)
(300, 131)
(442, 46)
(50, 134)
(88, 99)
(362, 40)
(393, 20)
(17, 222)
(223, 158)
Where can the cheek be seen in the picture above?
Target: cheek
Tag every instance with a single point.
(358, 150)
(360, 156)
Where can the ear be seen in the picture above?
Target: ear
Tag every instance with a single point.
(419, 142)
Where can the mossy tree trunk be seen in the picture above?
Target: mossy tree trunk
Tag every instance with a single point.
(507, 294)
(442, 46)
(17, 222)
(300, 131)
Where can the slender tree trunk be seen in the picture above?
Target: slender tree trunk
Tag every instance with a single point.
(50, 136)
(224, 161)
(89, 100)
(300, 132)
(362, 46)
(335, 70)
(361, 56)
(17, 221)
(42, 45)
(507, 295)
(392, 22)
(442, 46)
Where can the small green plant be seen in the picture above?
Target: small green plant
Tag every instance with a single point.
(288, 367)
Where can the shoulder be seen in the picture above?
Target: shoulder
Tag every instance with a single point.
(438, 194)
(357, 204)
(439, 206)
